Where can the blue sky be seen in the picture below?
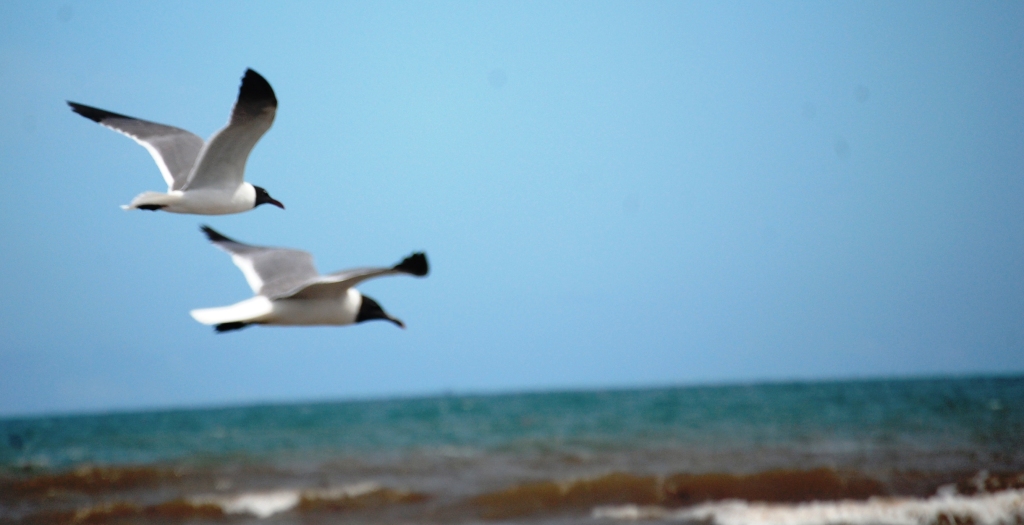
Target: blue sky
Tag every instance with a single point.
(610, 194)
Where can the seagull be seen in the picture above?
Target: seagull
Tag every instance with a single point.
(203, 178)
(290, 291)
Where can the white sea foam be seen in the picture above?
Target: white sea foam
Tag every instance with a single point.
(266, 504)
(259, 504)
(999, 508)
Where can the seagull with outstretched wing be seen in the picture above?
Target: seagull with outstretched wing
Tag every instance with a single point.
(204, 178)
(290, 291)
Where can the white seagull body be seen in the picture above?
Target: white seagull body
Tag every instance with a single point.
(204, 178)
(290, 291)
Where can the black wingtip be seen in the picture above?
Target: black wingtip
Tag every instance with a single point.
(94, 114)
(256, 89)
(214, 235)
(415, 264)
(227, 327)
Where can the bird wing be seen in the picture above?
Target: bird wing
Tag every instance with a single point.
(174, 149)
(221, 163)
(270, 272)
(335, 284)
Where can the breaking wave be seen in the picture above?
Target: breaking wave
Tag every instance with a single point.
(948, 508)
(785, 497)
(365, 495)
(347, 497)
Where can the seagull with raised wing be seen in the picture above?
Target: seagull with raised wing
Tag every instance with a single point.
(204, 178)
(290, 291)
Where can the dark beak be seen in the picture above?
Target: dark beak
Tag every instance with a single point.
(275, 202)
(397, 322)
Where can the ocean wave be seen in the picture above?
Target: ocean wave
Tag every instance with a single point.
(820, 484)
(547, 496)
(366, 495)
(346, 497)
(87, 479)
(259, 504)
(114, 512)
(800, 497)
(948, 508)
(358, 496)
(674, 491)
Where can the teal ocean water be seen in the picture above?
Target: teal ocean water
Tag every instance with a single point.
(893, 451)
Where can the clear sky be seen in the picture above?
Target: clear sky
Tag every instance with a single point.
(610, 194)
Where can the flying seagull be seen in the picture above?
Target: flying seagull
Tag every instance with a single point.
(289, 290)
(204, 178)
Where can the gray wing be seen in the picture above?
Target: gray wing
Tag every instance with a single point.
(270, 272)
(335, 284)
(174, 149)
(221, 163)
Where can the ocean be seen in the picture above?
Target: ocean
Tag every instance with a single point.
(917, 451)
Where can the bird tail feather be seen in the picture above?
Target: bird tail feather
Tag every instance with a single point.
(249, 311)
(151, 199)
